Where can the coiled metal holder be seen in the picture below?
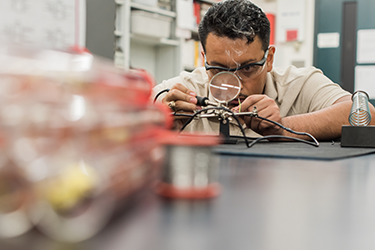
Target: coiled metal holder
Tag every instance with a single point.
(359, 134)
(360, 112)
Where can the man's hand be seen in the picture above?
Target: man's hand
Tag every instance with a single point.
(184, 99)
(266, 108)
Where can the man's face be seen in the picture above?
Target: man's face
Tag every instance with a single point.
(228, 53)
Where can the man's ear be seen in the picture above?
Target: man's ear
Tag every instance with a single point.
(271, 54)
(202, 53)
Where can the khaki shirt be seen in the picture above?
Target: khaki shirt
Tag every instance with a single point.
(295, 91)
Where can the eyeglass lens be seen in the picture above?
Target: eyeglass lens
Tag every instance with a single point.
(245, 73)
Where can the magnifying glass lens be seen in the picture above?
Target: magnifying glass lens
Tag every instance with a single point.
(225, 86)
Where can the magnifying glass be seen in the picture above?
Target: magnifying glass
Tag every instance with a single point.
(224, 87)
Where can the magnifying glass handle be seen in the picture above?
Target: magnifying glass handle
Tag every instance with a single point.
(204, 101)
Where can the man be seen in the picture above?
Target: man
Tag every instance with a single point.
(235, 37)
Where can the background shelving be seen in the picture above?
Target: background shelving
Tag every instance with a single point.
(160, 56)
(109, 34)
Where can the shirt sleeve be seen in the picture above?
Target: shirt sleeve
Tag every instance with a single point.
(318, 92)
(195, 81)
(166, 84)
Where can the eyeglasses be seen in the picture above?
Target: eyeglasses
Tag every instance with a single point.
(245, 72)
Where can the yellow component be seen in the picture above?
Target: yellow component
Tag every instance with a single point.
(71, 186)
(117, 134)
(239, 102)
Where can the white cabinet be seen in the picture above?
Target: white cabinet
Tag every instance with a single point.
(142, 40)
(140, 45)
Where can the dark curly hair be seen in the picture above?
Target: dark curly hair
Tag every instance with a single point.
(235, 19)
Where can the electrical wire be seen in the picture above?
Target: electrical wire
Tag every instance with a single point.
(179, 114)
(290, 130)
(249, 145)
(316, 144)
(191, 117)
(213, 108)
(257, 139)
(161, 92)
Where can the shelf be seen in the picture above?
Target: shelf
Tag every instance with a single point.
(153, 9)
(154, 40)
(118, 33)
(138, 35)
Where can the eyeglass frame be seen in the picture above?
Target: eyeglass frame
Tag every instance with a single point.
(259, 63)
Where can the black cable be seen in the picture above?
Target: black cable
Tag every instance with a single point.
(223, 108)
(161, 92)
(315, 143)
(290, 130)
(240, 125)
(191, 117)
(242, 137)
(179, 114)
(283, 137)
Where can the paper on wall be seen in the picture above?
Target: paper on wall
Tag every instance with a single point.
(328, 40)
(290, 23)
(365, 79)
(56, 24)
(366, 46)
(185, 14)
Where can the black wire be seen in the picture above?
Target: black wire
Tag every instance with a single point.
(191, 117)
(241, 137)
(179, 114)
(290, 130)
(283, 137)
(223, 108)
(161, 92)
(315, 143)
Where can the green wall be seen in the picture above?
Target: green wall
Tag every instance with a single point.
(366, 17)
(328, 18)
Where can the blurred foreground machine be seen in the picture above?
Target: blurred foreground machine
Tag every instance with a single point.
(78, 138)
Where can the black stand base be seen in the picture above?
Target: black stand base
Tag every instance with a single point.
(358, 136)
(224, 131)
(228, 141)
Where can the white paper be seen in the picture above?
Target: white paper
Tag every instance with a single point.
(185, 14)
(56, 24)
(365, 79)
(366, 46)
(290, 16)
(328, 40)
(183, 33)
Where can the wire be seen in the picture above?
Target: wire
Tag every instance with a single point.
(179, 114)
(161, 92)
(223, 108)
(191, 117)
(315, 143)
(241, 137)
(290, 130)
